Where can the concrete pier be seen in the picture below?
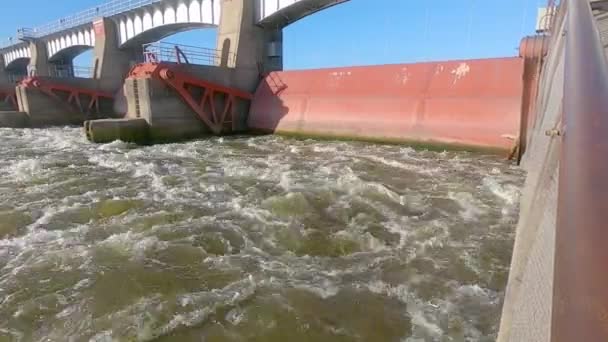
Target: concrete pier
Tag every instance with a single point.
(14, 119)
(39, 60)
(173, 111)
(51, 101)
(111, 64)
(108, 130)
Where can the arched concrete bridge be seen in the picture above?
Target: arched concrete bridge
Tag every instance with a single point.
(137, 22)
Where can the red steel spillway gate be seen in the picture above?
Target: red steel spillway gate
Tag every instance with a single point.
(71, 96)
(468, 103)
(214, 104)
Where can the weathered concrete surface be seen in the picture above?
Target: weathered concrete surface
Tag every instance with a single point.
(107, 130)
(111, 64)
(170, 119)
(250, 48)
(168, 116)
(4, 74)
(7, 89)
(14, 119)
(6, 106)
(528, 301)
(468, 104)
(44, 110)
(39, 60)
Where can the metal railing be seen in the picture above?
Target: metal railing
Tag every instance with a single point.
(25, 33)
(8, 42)
(15, 78)
(107, 9)
(580, 287)
(87, 16)
(184, 54)
(68, 71)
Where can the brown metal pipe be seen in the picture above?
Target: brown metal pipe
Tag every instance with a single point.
(580, 293)
(533, 50)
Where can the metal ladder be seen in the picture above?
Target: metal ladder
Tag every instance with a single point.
(136, 93)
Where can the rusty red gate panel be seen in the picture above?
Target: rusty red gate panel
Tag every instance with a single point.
(467, 103)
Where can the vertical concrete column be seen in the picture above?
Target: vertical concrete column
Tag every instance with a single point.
(252, 49)
(110, 63)
(39, 61)
(4, 78)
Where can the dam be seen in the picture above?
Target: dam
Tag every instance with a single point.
(179, 193)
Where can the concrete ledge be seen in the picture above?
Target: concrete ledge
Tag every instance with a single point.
(13, 119)
(108, 130)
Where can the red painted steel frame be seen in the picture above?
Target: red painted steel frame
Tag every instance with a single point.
(580, 290)
(205, 106)
(7, 95)
(73, 101)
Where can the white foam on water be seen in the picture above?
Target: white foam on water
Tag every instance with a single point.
(400, 292)
(420, 169)
(51, 211)
(325, 289)
(235, 316)
(227, 181)
(508, 193)
(104, 336)
(285, 182)
(324, 149)
(429, 329)
(111, 161)
(25, 170)
(115, 146)
(149, 170)
(423, 314)
(204, 304)
(136, 245)
(471, 207)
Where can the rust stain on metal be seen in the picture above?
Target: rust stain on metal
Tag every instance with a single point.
(581, 255)
(533, 50)
(461, 71)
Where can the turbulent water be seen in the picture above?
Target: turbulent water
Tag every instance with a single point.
(250, 239)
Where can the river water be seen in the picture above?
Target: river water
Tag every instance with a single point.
(250, 239)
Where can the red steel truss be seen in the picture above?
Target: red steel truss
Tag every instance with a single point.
(213, 104)
(80, 99)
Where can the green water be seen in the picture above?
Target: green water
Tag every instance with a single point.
(250, 239)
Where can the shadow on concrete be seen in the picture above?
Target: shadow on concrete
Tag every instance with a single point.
(225, 53)
(267, 108)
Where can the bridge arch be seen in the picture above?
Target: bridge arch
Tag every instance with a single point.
(281, 13)
(17, 55)
(18, 67)
(154, 23)
(68, 54)
(67, 46)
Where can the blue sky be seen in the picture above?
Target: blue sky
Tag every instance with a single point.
(359, 32)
